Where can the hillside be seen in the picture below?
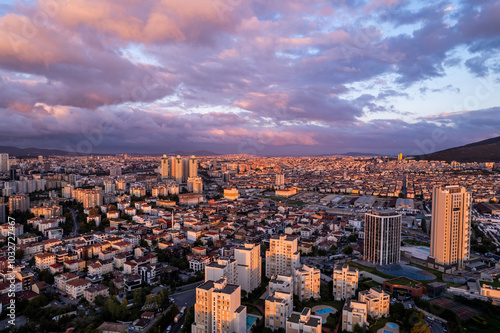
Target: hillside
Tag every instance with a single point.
(482, 151)
(14, 151)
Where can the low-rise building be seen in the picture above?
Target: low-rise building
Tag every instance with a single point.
(377, 302)
(92, 292)
(304, 322)
(75, 288)
(44, 260)
(278, 307)
(354, 313)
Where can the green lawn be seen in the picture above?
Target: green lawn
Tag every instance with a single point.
(403, 281)
(336, 304)
(416, 242)
(371, 270)
(378, 324)
(493, 326)
(495, 283)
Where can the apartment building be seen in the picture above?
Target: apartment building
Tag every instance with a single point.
(218, 308)
(20, 202)
(44, 260)
(450, 228)
(283, 256)
(248, 266)
(304, 322)
(353, 313)
(61, 280)
(222, 268)
(281, 283)
(377, 302)
(75, 288)
(345, 281)
(307, 283)
(92, 292)
(278, 307)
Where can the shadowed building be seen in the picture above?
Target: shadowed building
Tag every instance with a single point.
(382, 245)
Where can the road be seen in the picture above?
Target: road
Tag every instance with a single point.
(183, 298)
(436, 327)
(19, 322)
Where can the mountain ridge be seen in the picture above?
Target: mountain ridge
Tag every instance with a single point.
(481, 151)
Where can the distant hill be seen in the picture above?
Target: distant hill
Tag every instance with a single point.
(14, 151)
(482, 151)
(356, 154)
(195, 153)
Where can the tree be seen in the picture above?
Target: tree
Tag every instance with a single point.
(421, 327)
(198, 242)
(347, 250)
(352, 238)
(19, 254)
(397, 311)
(358, 329)
(424, 225)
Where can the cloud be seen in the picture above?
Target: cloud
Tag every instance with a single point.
(270, 74)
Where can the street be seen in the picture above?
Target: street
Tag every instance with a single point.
(183, 298)
(435, 325)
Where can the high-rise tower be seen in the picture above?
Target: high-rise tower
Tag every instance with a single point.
(382, 244)
(450, 227)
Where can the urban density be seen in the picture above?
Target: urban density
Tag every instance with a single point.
(232, 243)
(249, 166)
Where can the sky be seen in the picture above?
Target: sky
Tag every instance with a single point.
(262, 77)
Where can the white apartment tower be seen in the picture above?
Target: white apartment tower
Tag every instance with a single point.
(216, 270)
(248, 266)
(382, 237)
(450, 230)
(218, 308)
(307, 283)
(345, 281)
(283, 256)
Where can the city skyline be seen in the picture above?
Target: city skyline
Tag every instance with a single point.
(237, 76)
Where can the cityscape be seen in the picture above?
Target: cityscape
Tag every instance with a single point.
(239, 243)
(249, 166)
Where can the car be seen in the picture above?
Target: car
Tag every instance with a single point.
(409, 306)
(430, 319)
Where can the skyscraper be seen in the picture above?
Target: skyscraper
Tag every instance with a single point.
(193, 166)
(4, 162)
(382, 237)
(177, 169)
(283, 256)
(164, 167)
(450, 230)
